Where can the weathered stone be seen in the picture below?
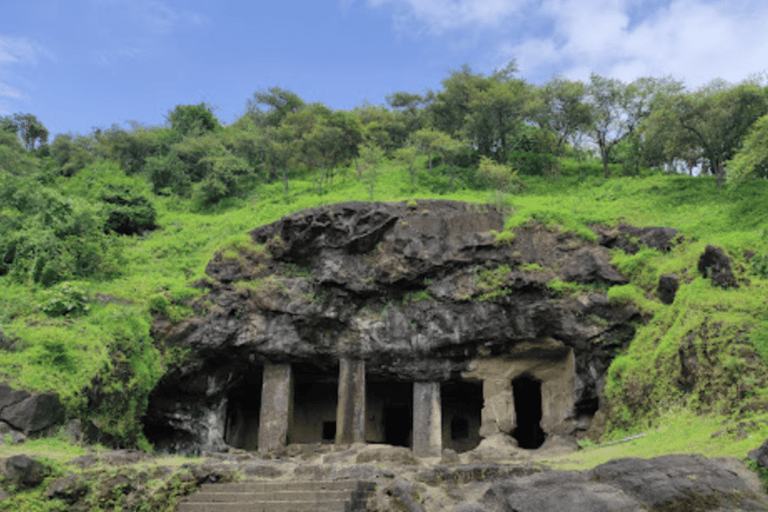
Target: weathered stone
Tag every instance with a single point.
(417, 294)
(24, 471)
(716, 265)
(35, 413)
(69, 488)
(275, 407)
(630, 238)
(406, 494)
(560, 490)
(760, 455)
(387, 454)
(427, 422)
(350, 415)
(668, 285)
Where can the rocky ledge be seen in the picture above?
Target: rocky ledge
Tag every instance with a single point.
(420, 291)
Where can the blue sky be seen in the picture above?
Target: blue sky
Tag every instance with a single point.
(80, 64)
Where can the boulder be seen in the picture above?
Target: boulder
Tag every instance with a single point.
(668, 285)
(760, 455)
(673, 482)
(630, 238)
(24, 471)
(34, 413)
(716, 265)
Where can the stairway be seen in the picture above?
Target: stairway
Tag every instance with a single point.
(293, 496)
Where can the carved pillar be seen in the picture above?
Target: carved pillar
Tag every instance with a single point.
(498, 413)
(427, 419)
(350, 411)
(276, 406)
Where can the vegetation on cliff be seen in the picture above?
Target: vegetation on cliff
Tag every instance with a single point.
(100, 233)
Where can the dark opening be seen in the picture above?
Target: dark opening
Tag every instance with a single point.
(389, 406)
(243, 407)
(459, 428)
(462, 405)
(527, 393)
(398, 424)
(329, 430)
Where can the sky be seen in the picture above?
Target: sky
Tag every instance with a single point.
(84, 64)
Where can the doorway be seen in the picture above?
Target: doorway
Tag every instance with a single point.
(527, 397)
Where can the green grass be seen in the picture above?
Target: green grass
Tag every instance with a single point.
(73, 353)
(679, 431)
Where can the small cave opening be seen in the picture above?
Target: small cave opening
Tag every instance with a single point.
(315, 399)
(527, 397)
(241, 428)
(389, 410)
(462, 404)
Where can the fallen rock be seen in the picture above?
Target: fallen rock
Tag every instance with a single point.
(69, 488)
(667, 289)
(34, 413)
(690, 483)
(24, 471)
(760, 455)
(716, 265)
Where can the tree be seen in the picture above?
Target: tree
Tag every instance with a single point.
(752, 157)
(499, 176)
(368, 163)
(607, 98)
(279, 102)
(193, 120)
(31, 130)
(563, 112)
(407, 157)
(711, 122)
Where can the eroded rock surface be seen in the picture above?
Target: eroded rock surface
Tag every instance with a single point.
(420, 292)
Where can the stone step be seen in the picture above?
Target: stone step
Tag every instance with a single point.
(272, 486)
(288, 496)
(219, 497)
(267, 506)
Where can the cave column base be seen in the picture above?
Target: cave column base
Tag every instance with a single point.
(350, 411)
(276, 406)
(427, 420)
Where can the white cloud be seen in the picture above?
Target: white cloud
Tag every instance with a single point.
(692, 40)
(14, 52)
(440, 16)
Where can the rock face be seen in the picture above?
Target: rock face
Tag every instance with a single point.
(673, 482)
(716, 265)
(28, 413)
(418, 292)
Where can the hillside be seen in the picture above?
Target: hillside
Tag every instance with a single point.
(704, 356)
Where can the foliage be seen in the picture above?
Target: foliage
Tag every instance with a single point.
(65, 299)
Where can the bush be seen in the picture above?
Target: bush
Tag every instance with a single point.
(65, 299)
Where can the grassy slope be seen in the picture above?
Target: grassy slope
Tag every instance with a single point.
(112, 341)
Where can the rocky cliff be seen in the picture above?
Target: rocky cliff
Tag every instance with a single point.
(420, 291)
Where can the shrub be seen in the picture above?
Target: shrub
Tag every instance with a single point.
(65, 299)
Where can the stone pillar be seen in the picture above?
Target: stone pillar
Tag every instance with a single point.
(276, 406)
(350, 411)
(427, 420)
(558, 395)
(498, 413)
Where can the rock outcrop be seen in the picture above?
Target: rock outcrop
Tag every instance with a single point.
(27, 413)
(673, 482)
(420, 292)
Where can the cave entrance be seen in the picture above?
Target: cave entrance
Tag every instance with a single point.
(241, 426)
(389, 413)
(527, 396)
(462, 404)
(315, 397)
